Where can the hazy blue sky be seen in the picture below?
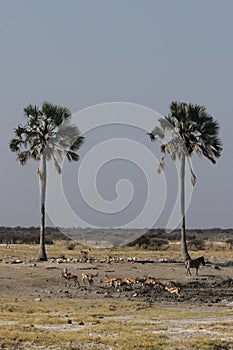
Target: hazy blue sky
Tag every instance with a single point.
(82, 53)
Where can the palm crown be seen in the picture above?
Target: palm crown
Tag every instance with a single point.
(187, 129)
(47, 130)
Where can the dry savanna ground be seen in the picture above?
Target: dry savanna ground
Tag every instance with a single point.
(40, 309)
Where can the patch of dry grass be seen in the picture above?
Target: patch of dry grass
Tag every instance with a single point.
(120, 325)
(214, 251)
(66, 323)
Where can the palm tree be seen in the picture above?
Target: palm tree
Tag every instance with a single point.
(186, 130)
(48, 134)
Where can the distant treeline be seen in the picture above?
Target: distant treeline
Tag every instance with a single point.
(157, 237)
(196, 237)
(29, 235)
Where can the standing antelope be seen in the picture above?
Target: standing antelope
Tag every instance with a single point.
(194, 263)
(70, 277)
(109, 282)
(88, 277)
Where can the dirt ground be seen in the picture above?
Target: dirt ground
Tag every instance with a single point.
(213, 285)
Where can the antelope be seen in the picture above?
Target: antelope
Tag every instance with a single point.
(194, 263)
(68, 276)
(151, 281)
(136, 280)
(109, 282)
(130, 281)
(173, 290)
(88, 277)
(141, 280)
(114, 282)
(171, 284)
(119, 282)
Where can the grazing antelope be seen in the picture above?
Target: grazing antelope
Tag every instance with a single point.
(136, 280)
(119, 282)
(114, 282)
(171, 284)
(151, 281)
(141, 281)
(68, 276)
(173, 290)
(194, 263)
(130, 281)
(88, 277)
(109, 282)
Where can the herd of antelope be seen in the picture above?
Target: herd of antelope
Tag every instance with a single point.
(117, 282)
(170, 286)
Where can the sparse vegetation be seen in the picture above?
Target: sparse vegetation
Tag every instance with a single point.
(71, 245)
(27, 323)
(213, 251)
(57, 318)
(197, 244)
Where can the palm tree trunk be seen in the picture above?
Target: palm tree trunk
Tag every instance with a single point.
(184, 248)
(43, 177)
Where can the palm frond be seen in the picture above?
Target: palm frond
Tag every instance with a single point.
(166, 123)
(57, 165)
(31, 112)
(72, 156)
(56, 115)
(77, 144)
(20, 131)
(15, 145)
(193, 178)
(152, 136)
(58, 153)
(163, 148)
(35, 154)
(157, 133)
(161, 165)
(23, 157)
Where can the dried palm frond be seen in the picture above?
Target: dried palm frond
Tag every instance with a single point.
(161, 165)
(193, 178)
